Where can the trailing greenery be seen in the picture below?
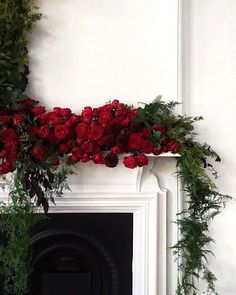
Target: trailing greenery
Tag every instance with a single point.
(204, 201)
(34, 183)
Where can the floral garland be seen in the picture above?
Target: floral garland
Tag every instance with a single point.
(39, 148)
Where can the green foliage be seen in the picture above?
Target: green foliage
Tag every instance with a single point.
(17, 17)
(17, 218)
(204, 201)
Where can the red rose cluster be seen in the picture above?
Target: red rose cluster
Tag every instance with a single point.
(52, 135)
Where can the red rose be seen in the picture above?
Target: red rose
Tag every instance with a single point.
(52, 119)
(39, 152)
(133, 112)
(88, 147)
(43, 131)
(87, 111)
(61, 131)
(104, 117)
(10, 144)
(74, 159)
(125, 122)
(115, 103)
(18, 119)
(65, 112)
(142, 160)
(157, 151)
(173, 146)
(63, 148)
(116, 150)
(32, 131)
(76, 152)
(38, 110)
(130, 162)
(9, 133)
(85, 158)
(135, 141)
(95, 132)
(74, 119)
(147, 147)
(146, 132)
(4, 119)
(81, 130)
(6, 167)
(28, 102)
(42, 118)
(98, 159)
(3, 154)
(57, 110)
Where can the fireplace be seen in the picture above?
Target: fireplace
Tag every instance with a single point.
(82, 253)
(149, 197)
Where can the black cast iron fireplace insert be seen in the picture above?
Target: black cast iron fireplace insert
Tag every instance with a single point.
(82, 254)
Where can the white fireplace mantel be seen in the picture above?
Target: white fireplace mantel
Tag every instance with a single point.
(152, 194)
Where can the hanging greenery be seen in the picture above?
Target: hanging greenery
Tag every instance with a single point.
(39, 147)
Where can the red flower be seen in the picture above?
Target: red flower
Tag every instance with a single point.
(9, 133)
(87, 111)
(3, 154)
(147, 132)
(157, 151)
(104, 117)
(18, 119)
(43, 131)
(28, 102)
(39, 152)
(115, 103)
(52, 119)
(147, 147)
(32, 131)
(6, 167)
(142, 160)
(42, 118)
(111, 160)
(130, 162)
(173, 146)
(98, 159)
(85, 158)
(74, 119)
(65, 112)
(10, 144)
(95, 132)
(57, 110)
(135, 141)
(4, 119)
(116, 150)
(38, 110)
(81, 130)
(74, 159)
(63, 148)
(76, 152)
(61, 131)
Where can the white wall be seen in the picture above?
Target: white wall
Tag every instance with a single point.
(209, 80)
(89, 51)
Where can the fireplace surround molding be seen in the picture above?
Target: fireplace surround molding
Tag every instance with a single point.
(97, 189)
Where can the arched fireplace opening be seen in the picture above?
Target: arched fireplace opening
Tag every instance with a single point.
(82, 254)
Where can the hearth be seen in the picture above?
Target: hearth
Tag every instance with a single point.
(82, 254)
